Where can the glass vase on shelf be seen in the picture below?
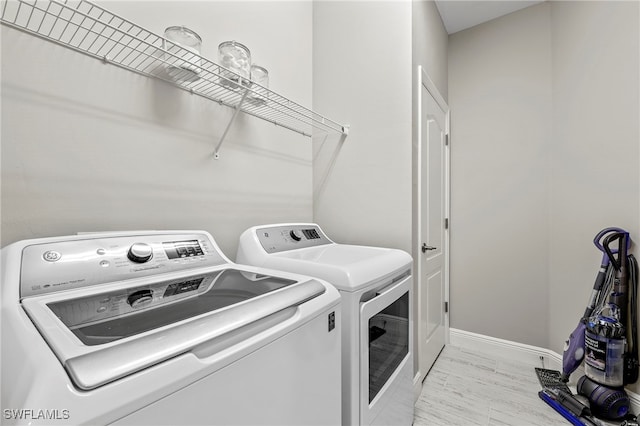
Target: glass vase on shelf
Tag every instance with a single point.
(182, 57)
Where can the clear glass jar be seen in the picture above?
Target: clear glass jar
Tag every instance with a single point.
(259, 92)
(236, 58)
(183, 53)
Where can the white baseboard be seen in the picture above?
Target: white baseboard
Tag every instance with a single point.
(505, 349)
(501, 348)
(417, 387)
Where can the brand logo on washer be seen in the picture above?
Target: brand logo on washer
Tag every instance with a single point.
(51, 256)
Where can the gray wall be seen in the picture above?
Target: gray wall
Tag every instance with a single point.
(595, 158)
(545, 153)
(430, 44)
(500, 99)
(362, 188)
(362, 73)
(88, 146)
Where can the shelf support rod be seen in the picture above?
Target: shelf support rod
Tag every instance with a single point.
(345, 132)
(216, 154)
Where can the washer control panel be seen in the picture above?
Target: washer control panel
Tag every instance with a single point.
(116, 304)
(73, 263)
(290, 237)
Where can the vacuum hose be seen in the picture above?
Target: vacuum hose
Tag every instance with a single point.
(631, 362)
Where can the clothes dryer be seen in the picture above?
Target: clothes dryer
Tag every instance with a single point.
(161, 328)
(376, 289)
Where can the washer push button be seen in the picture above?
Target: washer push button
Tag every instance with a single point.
(51, 256)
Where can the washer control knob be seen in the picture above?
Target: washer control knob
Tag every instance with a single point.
(140, 252)
(294, 234)
(140, 298)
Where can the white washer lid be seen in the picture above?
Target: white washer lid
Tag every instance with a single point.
(347, 267)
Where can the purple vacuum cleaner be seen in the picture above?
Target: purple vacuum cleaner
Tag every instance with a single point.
(573, 353)
(610, 339)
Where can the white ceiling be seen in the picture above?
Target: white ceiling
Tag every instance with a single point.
(459, 15)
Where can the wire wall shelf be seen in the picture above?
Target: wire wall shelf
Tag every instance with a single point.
(90, 29)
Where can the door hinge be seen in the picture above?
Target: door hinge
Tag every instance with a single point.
(446, 223)
(446, 139)
(446, 307)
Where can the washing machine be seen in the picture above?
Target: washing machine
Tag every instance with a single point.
(376, 289)
(138, 328)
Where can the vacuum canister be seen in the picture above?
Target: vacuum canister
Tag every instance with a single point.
(604, 351)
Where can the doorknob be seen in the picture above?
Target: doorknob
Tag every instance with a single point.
(425, 247)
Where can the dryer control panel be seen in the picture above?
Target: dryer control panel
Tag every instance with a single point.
(78, 261)
(280, 238)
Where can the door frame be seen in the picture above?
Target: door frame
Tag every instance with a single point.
(423, 79)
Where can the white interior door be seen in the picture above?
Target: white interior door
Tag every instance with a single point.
(432, 280)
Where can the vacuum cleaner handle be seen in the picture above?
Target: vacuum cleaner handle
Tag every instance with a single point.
(602, 272)
(623, 245)
(619, 296)
(599, 236)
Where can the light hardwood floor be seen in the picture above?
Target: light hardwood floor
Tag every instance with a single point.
(467, 388)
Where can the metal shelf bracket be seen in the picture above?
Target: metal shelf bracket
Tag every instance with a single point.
(345, 132)
(237, 108)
